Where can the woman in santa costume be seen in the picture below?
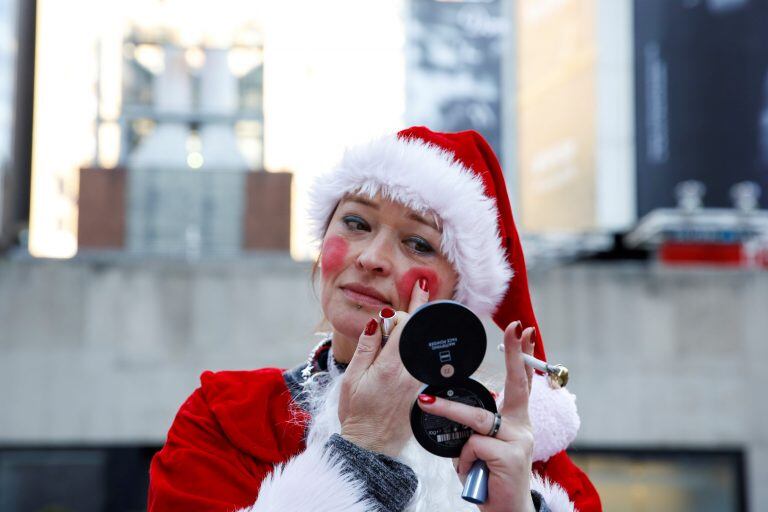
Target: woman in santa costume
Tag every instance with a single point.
(403, 220)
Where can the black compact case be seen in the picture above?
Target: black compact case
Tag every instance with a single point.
(441, 345)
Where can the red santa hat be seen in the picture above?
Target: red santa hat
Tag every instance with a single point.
(456, 176)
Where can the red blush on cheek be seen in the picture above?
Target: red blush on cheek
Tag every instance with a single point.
(333, 254)
(405, 283)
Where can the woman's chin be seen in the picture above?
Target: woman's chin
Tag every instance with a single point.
(350, 320)
(352, 324)
(352, 328)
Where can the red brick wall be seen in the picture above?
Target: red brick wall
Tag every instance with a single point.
(267, 222)
(102, 203)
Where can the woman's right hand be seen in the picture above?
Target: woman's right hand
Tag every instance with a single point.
(377, 392)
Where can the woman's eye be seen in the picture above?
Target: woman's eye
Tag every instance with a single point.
(419, 245)
(355, 223)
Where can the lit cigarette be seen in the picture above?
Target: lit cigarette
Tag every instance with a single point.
(557, 373)
(387, 323)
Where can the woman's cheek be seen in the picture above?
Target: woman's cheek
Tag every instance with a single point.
(333, 253)
(406, 282)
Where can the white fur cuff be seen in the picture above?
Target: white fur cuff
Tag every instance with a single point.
(312, 480)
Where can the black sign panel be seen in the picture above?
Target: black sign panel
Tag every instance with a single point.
(701, 98)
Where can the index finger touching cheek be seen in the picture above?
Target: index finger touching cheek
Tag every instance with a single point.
(416, 286)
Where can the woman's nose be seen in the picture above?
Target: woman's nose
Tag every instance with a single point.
(376, 255)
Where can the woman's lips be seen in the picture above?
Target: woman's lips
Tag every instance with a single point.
(361, 298)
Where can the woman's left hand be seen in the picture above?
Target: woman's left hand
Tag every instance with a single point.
(508, 454)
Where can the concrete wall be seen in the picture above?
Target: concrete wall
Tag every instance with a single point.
(664, 357)
(93, 351)
(105, 351)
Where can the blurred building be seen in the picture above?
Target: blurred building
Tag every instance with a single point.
(182, 184)
(288, 114)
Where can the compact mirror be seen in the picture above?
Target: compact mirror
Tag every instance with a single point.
(441, 345)
(442, 342)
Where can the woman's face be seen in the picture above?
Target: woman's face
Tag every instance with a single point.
(373, 253)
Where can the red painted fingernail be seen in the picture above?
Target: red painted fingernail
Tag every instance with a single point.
(519, 329)
(423, 284)
(387, 313)
(426, 399)
(533, 336)
(371, 326)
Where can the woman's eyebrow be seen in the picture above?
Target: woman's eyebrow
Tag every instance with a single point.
(413, 216)
(419, 218)
(365, 202)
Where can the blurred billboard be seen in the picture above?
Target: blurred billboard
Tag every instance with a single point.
(701, 79)
(557, 114)
(453, 66)
(575, 116)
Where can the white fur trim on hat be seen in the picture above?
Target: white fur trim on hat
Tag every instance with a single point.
(425, 177)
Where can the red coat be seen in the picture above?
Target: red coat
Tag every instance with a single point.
(233, 430)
